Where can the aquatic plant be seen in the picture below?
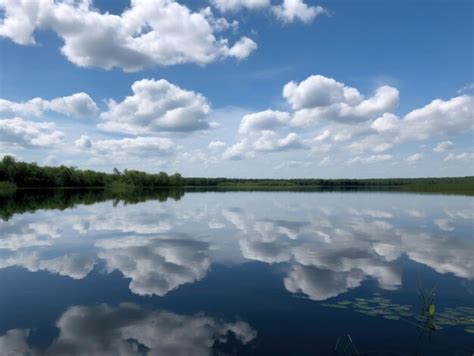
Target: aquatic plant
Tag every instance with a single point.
(432, 320)
(426, 295)
(345, 346)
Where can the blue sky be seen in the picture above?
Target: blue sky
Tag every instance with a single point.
(378, 88)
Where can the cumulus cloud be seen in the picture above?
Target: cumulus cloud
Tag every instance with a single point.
(83, 142)
(156, 106)
(264, 141)
(29, 134)
(127, 146)
(443, 146)
(237, 151)
(414, 158)
(287, 11)
(236, 5)
(127, 329)
(269, 141)
(242, 48)
(464, 156)
(264, 120)
(291, 10)
(216, 145)
(370, 159)
(439, 118)
(146, 34)
(320, 98)
(329, 116)
(79, 104)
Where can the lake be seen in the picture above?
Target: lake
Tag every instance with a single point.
(236, 273)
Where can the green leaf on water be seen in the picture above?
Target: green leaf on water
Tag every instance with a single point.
(391, 317)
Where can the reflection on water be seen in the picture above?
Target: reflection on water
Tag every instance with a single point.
(127, 330)
(156, 265)
(318, 247)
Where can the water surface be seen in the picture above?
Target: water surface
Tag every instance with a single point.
(236, 273)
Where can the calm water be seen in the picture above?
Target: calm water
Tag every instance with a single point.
(237, 273)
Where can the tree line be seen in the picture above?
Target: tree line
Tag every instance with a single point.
(22, 174)
(30, 175)
(325, 183)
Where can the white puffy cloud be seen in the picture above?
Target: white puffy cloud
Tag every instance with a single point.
(371, 143)
(237, 151)
(126, 329)
(83, 142)
(147, 34)
(443, 146)
(242, 48)
(329, 116)
(218, 24)
(291, 10)
(287, 11)
(320, 98)
(269, 141)
(127, 146)
(264, 120)
(317, 90)
(464, 156)
(370, 159)
(414, 158)
(156, 106)
(236, 5)
(264, 141)
(23, 133)
(439, 118)
(79, 104)
(216, 145)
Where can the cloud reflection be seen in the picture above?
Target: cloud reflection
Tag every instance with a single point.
(339, 249)
(330, 246)
(156, 265)
(129, 329)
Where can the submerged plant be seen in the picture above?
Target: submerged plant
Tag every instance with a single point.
(345, 346)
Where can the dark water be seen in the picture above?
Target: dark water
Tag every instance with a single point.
(257, 273)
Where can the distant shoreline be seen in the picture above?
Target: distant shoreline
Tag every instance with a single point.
(21, 175)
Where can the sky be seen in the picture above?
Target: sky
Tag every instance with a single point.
(240, 88)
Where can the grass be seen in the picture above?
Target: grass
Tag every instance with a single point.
(435, 188)
(442, 188)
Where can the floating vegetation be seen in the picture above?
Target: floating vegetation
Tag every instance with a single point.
(337, 306)
(430, 319)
